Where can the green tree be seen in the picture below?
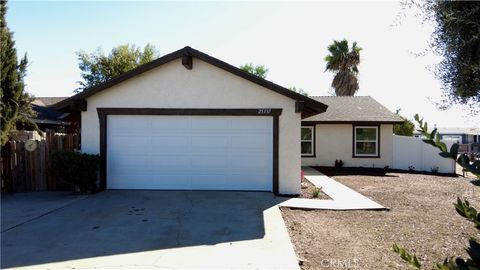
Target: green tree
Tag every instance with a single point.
(299, 90)
(344, 61)
(404, 129)
(15, 107)
(97, 67)
(257, 70)
(456, 38)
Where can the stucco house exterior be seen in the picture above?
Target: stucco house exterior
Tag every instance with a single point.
(355, 129)
(190, 121)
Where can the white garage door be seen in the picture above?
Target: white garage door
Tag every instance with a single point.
(189, 152)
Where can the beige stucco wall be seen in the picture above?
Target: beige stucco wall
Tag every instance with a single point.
(205, 86)
(334, 141)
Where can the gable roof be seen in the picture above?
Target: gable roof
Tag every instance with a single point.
(47, 101)
(46, 113)
(310, 106)
(353, 109)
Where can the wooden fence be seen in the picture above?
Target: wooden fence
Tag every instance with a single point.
(23, 170)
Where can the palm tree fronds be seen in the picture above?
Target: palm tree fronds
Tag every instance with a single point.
(344, 61)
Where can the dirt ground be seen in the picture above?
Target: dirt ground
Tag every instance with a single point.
(308, 189)
(422, 219)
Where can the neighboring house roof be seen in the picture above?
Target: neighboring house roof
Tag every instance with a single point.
(47, 101)
(46, 113)
(310, 106)
(353, 109)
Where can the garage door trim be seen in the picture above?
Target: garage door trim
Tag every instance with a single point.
(104, 112)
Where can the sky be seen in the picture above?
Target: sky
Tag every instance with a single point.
(290, 38)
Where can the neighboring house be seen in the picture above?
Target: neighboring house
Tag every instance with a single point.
(355, 129)
(458, 135)
(190, 121)
(47, 117)
(467, 138)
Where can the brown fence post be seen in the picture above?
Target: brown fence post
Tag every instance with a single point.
(6, 153)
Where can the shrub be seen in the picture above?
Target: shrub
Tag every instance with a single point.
(338, 163)
(76, 168)
(316, 192)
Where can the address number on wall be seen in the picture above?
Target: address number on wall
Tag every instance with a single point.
(264, 111)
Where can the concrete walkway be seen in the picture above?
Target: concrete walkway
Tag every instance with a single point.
(343, 197)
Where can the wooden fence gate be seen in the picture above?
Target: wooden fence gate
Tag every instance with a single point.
(23, 170)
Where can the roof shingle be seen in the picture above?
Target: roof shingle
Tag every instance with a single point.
(353, 109)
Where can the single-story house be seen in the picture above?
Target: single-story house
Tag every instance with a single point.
(467, 138)
(190, 121)
(458, 135)
(48, 117)
(355, 129)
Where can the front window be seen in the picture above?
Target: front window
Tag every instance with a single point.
(306, 139)
(366, 141)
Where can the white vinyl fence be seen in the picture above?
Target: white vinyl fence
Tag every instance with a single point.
(413, 153)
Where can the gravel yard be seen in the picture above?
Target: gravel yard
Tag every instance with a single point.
(422, 219)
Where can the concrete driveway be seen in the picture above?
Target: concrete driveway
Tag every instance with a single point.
(154, 229)
(23, 207)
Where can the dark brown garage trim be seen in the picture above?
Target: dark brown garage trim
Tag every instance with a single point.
(104, 112)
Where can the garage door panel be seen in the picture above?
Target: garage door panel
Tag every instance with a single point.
(258, 124)
(254, 143)
(169, 144)
(148, 181)
(128, 125)
(210, 125)
(189, 152)
(168, 125)
(210, 182)
(169, 164)
(241, 170)
(211, 165)
(256, 182)
(209, 144)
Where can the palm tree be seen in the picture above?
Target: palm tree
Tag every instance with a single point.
(344, 61)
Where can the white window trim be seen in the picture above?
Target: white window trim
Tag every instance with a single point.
(311, 141)
(355, 142)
